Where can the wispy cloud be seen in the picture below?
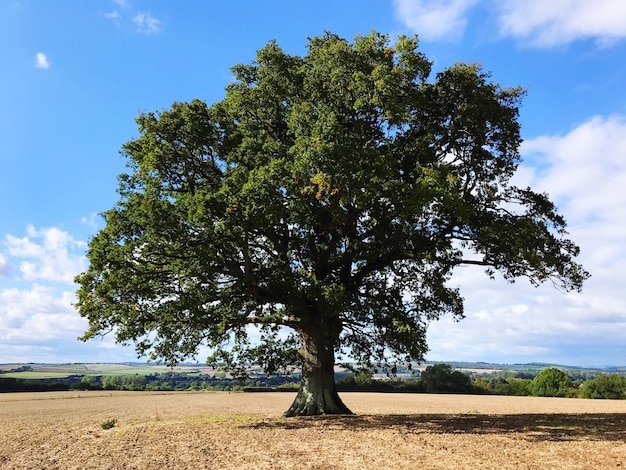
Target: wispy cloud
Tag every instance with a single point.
(41, 61)
(540, 23)
(434, 19)
(115, 15)
(554, 23)
(146, 23)
(91, 221)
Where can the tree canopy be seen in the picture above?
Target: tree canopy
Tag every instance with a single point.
(551, 382)
(608, 386)
(325, 200)
(442, 378)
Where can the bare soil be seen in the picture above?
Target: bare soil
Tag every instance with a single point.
(56, 430)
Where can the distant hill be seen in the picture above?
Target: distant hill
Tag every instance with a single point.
(41, 370)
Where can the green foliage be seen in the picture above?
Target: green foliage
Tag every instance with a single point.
(12, 384)
(441, 378)
(124, 382)
(363, 381)
(109, 424)
(514, 387)
(325, 200)
(551, 382)
(171, 381)
(92, 382)
(363, 377)
(608, 386)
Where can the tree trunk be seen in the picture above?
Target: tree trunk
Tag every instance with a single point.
(317, 394)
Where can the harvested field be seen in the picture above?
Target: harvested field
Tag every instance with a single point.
(179, 430)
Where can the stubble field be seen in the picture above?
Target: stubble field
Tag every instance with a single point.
(245, 430)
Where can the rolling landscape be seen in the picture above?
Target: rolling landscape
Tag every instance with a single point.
(188, 427)
(52, 371)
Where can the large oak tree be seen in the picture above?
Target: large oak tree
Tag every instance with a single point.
(325, 200)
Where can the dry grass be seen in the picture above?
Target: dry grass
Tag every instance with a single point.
(228, 431)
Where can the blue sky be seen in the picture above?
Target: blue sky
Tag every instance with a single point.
(75, 74)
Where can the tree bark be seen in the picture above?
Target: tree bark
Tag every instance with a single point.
(318, 393)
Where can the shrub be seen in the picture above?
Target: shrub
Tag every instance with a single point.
(608, 386)
(108, 424)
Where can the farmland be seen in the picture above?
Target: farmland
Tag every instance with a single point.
(246, 430)
(38, 371)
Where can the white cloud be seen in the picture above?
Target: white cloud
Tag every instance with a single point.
(434, 19)
(585, 169)
(557, 22)
(122, 3)
(146, 23)
(40, 324)
(38, 320)
(541, 23)
(4, 265)
(41, 61)
(114, 15)
(47, 254)
(584, 172)
(38, 315)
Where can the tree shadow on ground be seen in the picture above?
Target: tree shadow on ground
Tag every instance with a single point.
(531, 427)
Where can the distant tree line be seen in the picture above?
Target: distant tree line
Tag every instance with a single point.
(442, 378)
(11, 384)
(436, 378)
(25, 368)
(553, 382)
(175, 381)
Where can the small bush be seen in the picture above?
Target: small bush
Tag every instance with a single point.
(109, 424)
